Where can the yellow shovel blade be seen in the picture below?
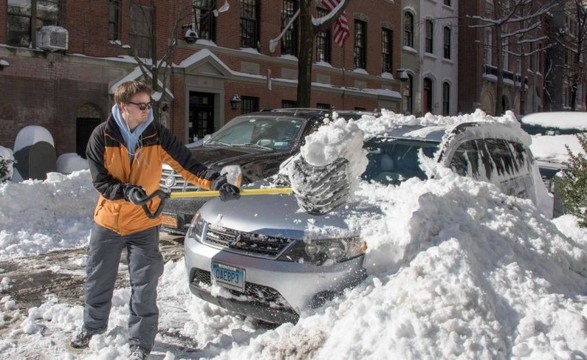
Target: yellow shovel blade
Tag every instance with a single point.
(244, 192)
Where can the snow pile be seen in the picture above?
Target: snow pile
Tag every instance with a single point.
(487, 278)
(70, 162)
(39, 216)
(338, 138)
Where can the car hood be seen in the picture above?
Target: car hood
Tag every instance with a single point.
(280, 216)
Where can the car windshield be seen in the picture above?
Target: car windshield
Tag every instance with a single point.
(265, 132)
(392, 161)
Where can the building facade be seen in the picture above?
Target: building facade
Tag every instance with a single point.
(502, 56)
(566, 80)
(61, 60)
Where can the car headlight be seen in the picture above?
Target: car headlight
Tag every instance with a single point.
(196, 228)
(325, 251)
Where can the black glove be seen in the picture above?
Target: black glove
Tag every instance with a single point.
(226, 189)
(135, 194)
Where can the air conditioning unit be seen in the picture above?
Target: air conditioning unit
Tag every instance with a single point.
(52, 38)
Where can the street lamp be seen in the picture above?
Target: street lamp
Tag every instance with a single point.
(235, 102)
(3, 64)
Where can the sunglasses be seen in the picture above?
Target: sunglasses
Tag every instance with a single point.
(142, 106)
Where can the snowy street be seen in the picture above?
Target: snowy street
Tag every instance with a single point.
(456, 269)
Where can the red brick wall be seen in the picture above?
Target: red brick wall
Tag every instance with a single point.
(43, 88)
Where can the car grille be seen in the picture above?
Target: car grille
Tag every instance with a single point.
(253, 292)
(251, 243)
(173, 181)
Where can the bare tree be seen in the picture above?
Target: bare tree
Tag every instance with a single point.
(515, 22)
(529, 39)
(569, 33)
(155, 69)
(309, 28)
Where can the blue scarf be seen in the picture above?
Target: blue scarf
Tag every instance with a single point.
(131, 138)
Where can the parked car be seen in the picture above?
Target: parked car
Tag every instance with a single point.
(555, 122)
(257, 142)
(256, 256)
(552, 132)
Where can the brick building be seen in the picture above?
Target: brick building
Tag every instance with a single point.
(60, 61)
(527, 56)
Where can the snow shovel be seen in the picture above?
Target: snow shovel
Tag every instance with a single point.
(164, 195)
(318, 189)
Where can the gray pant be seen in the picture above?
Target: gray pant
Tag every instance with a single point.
(145, 265)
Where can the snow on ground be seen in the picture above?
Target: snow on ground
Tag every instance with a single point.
(456, 270)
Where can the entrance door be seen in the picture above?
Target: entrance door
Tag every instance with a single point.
(201, 115)
(83, 130)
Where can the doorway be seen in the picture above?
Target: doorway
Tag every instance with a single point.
(83, 130)
(201, 115)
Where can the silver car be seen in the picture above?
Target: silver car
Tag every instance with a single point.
(262, 256)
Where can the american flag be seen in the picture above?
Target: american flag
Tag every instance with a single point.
(341, 26)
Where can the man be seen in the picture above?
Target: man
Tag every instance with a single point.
(125, 155)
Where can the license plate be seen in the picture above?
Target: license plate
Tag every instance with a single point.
(228, 276)
(169, 220)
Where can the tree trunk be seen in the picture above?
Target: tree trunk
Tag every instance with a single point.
(306, 55)
(523, 88)
(497, 13)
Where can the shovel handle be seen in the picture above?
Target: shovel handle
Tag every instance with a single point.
(243, 192)
(164, 195)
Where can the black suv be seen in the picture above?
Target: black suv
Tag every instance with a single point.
(258, 142)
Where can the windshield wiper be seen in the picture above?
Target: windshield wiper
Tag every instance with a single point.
(216, 142)
(258, 146)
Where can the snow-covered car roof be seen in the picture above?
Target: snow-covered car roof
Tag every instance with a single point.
(556, 122)
(434, 127)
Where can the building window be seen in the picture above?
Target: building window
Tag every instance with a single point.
(114, 20)
(26, 17)
(360, 47)
(323, 106)
(408, 29)
(447, 35)
(445, 98)
(204, 19)
(250, 24)
(487, 48)
(249, 104)
(427, 96)
(409, 95)
(505, 54)
(447, 2)
(429, 42)
(289, 41)
(387, 50)
(286, 104)
(323, 44)
(141, 20)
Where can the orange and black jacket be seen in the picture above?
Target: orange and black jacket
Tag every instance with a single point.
(112, 168)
